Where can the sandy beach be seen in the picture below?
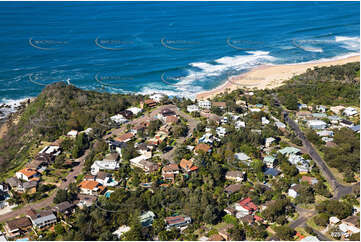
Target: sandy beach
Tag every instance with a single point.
(270, 76)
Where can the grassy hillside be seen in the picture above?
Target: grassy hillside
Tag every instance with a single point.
(58, 109)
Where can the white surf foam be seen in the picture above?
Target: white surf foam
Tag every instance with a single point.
(350, 43)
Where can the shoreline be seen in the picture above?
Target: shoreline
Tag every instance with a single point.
(270, 76)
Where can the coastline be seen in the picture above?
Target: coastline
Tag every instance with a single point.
(270, 76)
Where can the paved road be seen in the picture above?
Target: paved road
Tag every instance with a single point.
(49, 200)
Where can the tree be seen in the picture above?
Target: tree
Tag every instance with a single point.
(284, 232)
(60, 196)
(321, 219)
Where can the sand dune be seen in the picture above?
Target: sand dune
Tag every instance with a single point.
(268, 76)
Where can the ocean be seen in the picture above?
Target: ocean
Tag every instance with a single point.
(176, 48)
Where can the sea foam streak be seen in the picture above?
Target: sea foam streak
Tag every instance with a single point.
(350, 43)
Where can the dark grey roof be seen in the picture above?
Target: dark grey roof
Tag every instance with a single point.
(272, 172)
(64, 206)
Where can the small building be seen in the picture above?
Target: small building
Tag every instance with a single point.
(280, 125)
(28, 174)
(205, 104)
(337, 109)
(334, 220)
(239, 124)
(221, 105)
(177, 221)
(147, 218)
(72, 133)
(289, 150)
(310, 180)
(232, 188)
(65, 208)
(42, 218)
(269, 141)
(271, 172)
(125, 137)
(350, 225)
(91, 187)
(118, 119)
(121, 230)
(157, 97)
(202, 147)
(316, 124)
(325, 133)
(103, 165)
(346, 123)
(264, 121)
(150, 103)
(187, 165)
(192, 108)
(293, 190)
(135, 110)
(17, 227)
(349, 111)
(270, 161)
(85, 200)
(237, 176)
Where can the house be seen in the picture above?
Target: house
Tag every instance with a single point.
(91, 187)
(346, 123)
(135, 110)
(206, 138)
(267, 204)
(350, 225)
(237, 176)
(270, 161)
(349, 111)
(99, 165)
(171, 119)
(293, 190)
(337, 109)
(142, 163)
(221, 105)
(302, 106)
(177, 221)
(118, 119)
(230, 210)
(170, 171)
(72, 133)
(125, 137)
(224, 231)
(309, 239)
(333, 221)
(248, 219)
(280, 125)
(28, 174)
(334, 119)
(355, 128)
(106, 179)
(85, 200)
(319, 115)
(321, 108)
(17, 227)
(157, 97)
(301, 164)
(126, 114)
(316, 124)
(30, 187)
(304, 114)
(192, 108)
(42, 218)
(254, 110)
(15, 184)
(269, 141)
(215, 237)
(147, 218)
(121, 230)
(150, 103)
(264, 121)
(232, 188)
(221, 131)
(271, 172)
(239, 124)
(187, 165)
(116, 146)
(165, 113)
(243, 158)
(247, 206)
(309, 180)
(324, 133)
(204, 104)
(51, 150)
(202, 147)
(289, 150)
(65, 208)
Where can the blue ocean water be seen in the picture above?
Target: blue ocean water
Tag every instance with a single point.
(178, 48)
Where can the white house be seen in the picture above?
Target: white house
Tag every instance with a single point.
(237, 176)
(240, 124)
(321, 108)
(192, 108)
(157, 97)
(254, 110)
(349, 111)
(99, 165)
(316, 124)
(270, 161)
(333, 220)
(265, 121)
(51, 150)
(280, 125)
(292, 192)
(119, 119)
(121, 230)
(269, 141)
(135, 110)
(205, 104)
(72, 133)
(221, 131)
(324, 133)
